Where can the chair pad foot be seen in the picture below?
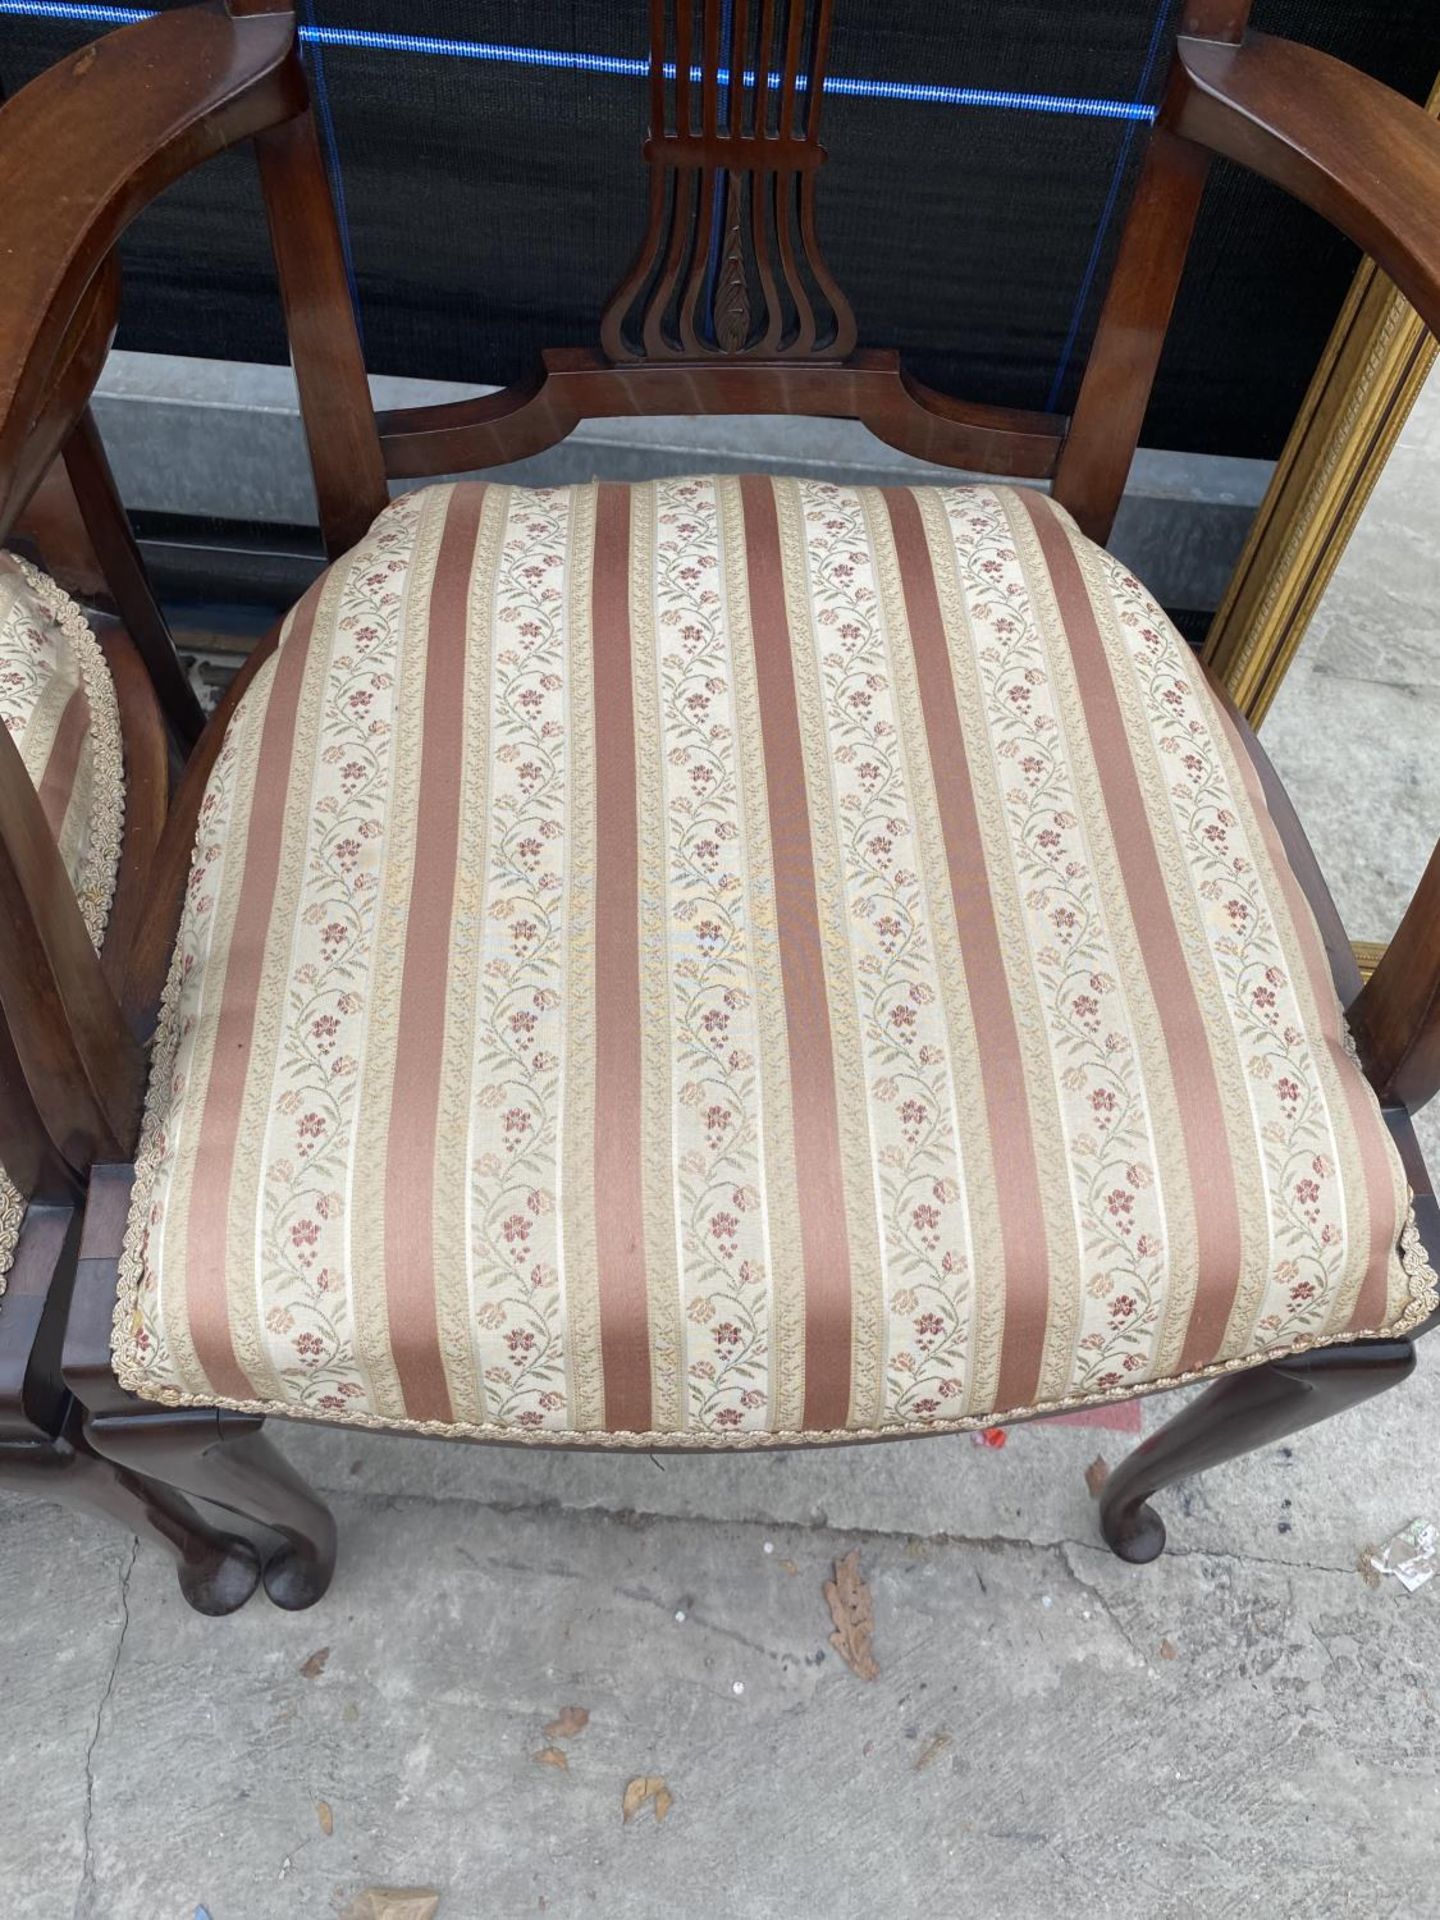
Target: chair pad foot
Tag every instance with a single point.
(294, 1581)
(223, 1580)
(1137, 1536)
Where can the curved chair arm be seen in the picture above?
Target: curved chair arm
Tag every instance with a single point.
(1354, 150)
(83, 148)
(1369, 161)
(1395, 1018)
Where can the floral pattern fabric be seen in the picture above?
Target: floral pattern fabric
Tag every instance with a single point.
(871, 875)
(57, 702)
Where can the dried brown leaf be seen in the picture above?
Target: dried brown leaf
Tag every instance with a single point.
(394, 1903)
(312, 1668)
(853, 1611)
(1096, 1474)
(789, 1566)
(551, 1757)
(645, 1788)
(1169, 1650)
(937, 1744)
(1369, 1572)
(325, 1817)
(567, 1723)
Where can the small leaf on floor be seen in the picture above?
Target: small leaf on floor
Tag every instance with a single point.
(312, 1668)
(325, 1817)
(1169, 1650)
(567, 1723)
(1096, 1474)
(394, 1903)
(937, 1744)
(645, 1788)
(551, 1757)
(853, 1611)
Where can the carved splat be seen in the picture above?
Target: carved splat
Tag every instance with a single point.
(730, 267)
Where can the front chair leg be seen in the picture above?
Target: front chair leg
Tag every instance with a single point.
(209, 1455)
(1238, 1413)
(225, 1459)
(218, 1571)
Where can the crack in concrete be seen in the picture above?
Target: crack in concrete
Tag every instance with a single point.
(645, 1518)
(87, 1858)
(1228, 1554)
(1097, 1598)
(701, 1621)
(821, 1523)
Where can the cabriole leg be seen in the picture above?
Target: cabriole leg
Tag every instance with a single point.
(217, 1571)
(1238, 1413)
(225, 1459)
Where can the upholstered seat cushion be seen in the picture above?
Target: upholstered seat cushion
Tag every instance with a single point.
(58, 702)
(723, 960)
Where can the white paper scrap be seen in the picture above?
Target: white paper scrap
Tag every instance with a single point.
(1412, 1555)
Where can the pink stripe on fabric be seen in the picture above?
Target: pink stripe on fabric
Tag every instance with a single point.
(410, 1169)
(619, 1192)
(206, 1291)
(1372, 1298)
(57, 783)
(1197, 1093)
(1007, 1108)
(820, 1185)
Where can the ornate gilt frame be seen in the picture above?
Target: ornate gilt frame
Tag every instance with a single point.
(1372, 370)
(1374, 365)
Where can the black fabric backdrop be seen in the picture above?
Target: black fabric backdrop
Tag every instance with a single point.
(490, 206)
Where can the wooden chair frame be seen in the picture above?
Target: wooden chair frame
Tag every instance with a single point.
(772, 332)
(43, 1448)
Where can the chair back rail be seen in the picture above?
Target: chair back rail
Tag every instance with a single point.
(145, 753)
(106, 523)
(574, 385)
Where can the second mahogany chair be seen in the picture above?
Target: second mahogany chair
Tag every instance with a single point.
(78, 707)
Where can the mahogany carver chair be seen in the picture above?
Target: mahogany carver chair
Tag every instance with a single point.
(718, 963)
(87, 733)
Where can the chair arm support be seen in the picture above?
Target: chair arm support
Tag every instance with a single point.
(1354, 150)
(89, 143)
(1395, 1018)
(84, 1068)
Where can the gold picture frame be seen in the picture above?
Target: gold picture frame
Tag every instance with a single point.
(1368, 379)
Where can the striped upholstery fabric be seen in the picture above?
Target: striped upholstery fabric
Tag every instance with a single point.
(58, 702)
(731, 959)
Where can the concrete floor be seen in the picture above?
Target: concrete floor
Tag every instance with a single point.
(1246, 1725)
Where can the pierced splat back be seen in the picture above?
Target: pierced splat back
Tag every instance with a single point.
(730, 263)
(729, 307)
